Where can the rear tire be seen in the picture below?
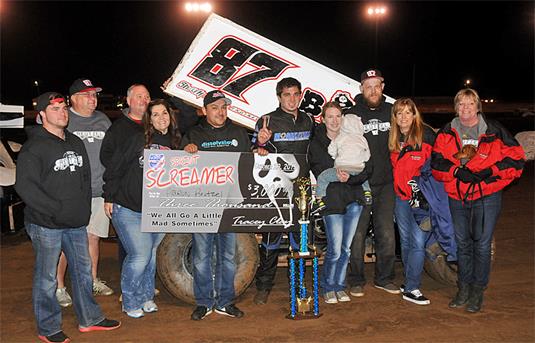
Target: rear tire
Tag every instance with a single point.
(176, 273)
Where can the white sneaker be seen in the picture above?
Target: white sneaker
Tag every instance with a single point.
(64, 299)
(150, 306)
(135, 313)
(100, 288)
(342, 296)
(330, 297)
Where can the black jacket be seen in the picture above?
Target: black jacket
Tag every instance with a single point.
(339, 194)
(376, 130)
(230, 137)
(122, 156)
(54, 180)
(290, 135)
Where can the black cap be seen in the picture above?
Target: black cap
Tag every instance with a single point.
(371, 73)
(83, 85)
(48, 98)
(213, 96)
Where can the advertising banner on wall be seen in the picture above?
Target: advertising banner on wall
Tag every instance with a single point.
(246, 67)
(220, 191)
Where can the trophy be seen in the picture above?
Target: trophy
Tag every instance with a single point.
(303, 305)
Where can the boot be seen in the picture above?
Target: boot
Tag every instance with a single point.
(461, 297)
(475, 299)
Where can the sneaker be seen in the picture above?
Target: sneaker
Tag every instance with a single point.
(330, 297)
(416, 297)
(317, 207)
(59, 337)
(150, 306)
(135, 313)
(100, 288)
(390, 288)
(356, 291)
(200, 312)
(402, 288)
(230, 310)
(103, 325)
(261, 297)
(342, 296)
(368, 200)
(64, 299)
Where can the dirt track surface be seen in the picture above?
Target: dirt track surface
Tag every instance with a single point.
(507, 314)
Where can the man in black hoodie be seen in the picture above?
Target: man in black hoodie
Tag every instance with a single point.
(375, 113)
(287, 130)
(215, 132)
(54, 180)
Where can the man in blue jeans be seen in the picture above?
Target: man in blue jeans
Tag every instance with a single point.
(214, 289)
(54, 180)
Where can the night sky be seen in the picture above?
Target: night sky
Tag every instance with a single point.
(425, 48)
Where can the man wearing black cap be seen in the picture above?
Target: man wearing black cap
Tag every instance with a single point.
(375, 113)
(54, 181)
(215, 132)
(90, 126)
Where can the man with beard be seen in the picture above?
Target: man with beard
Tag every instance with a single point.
(375, 113)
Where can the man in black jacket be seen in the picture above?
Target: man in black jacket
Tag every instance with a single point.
(215, 133)
(54, 180)
(287, 130)
(375, 113)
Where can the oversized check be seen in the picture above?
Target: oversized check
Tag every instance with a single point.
(246, 67)
(220, 191)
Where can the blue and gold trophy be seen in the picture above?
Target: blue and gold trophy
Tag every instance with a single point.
(302, 304)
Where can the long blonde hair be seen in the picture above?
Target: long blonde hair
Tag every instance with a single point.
(416, 131)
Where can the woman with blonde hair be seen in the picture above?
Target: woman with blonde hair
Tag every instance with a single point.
(474, 186)
(410, 144)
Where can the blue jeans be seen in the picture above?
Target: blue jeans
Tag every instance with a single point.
(47, 245)
(139, 265)
(214, 288)
(329, 175)
(474, 224)
(340, 229)
(412, 241)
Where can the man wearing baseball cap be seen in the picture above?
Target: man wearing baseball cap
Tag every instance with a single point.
(215, 132)
(90, 126)
(375, 113)
(54, 181)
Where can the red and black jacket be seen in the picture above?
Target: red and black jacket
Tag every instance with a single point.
(406, 164)
(497, 150)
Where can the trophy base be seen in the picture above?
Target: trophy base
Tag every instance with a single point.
(302, 316)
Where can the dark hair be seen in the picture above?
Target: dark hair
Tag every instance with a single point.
(173, 126)
(287, 82)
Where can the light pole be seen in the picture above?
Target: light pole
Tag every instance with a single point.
(205, 7)
(36, 84)
(467, 83)
(376, 12)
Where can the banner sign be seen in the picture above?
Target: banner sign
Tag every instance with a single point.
(246, 67)
(220, 191)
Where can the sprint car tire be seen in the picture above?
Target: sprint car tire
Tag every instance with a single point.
(440, 269)
(175, 271)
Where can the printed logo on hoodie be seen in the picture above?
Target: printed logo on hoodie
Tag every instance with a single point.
(70, 160)
(375, 125)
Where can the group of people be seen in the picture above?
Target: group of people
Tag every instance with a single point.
(372, 160)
